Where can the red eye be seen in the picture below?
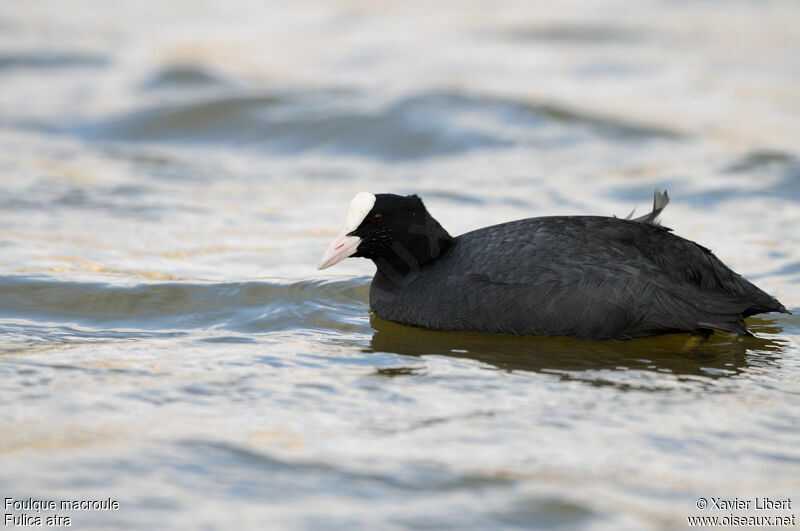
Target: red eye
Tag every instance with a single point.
(377, 218)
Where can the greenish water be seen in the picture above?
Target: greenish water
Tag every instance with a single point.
(170, 174)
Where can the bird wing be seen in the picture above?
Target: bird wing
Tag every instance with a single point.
(604, 277)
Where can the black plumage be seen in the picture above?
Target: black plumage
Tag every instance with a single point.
(588, 277)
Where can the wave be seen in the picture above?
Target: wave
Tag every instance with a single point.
(252, 306)
(49, 59)
(182, 76)
(422, 125)
(572, 34)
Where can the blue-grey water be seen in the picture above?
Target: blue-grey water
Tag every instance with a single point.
(170, 173)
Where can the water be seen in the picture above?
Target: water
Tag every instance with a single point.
(172, 172)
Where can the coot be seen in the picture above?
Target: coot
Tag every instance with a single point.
(588, 277)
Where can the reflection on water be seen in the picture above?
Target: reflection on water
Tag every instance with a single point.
(681, 354)
(170, 173)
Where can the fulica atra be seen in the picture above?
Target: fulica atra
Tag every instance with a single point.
(588, 277)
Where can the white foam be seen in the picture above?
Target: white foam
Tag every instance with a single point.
(359, 208)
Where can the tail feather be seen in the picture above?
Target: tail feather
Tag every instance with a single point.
(765, 304)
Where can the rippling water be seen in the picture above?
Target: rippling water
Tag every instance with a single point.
(171, 172)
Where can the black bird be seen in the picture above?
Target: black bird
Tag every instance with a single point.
(588, 277)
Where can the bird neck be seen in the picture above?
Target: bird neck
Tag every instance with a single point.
(422, 245)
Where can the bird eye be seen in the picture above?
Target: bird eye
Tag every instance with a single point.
(377, 218)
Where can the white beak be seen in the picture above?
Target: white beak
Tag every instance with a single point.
(339, 249)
